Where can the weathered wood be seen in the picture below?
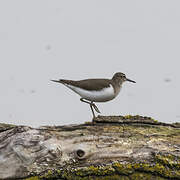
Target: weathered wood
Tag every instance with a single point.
(112, 147)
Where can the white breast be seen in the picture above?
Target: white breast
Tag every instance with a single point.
(105, 94)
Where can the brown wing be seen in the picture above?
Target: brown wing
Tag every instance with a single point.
(88, 84)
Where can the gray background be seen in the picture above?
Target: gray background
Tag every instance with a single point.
(45, 39)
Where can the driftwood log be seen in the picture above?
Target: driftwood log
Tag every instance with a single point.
(110, 147)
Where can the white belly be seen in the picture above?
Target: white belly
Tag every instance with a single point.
(105, 94)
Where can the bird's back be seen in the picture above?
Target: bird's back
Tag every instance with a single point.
(88, 84)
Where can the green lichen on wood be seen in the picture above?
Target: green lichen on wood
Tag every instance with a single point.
(169, 160)
(163, 167)
(129, 116)
(33, 178)
(144, 176)
(5, 127)
(139, 117)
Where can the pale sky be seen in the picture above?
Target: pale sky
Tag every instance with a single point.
(45, 39)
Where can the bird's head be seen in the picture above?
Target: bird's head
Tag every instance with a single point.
(121, 77)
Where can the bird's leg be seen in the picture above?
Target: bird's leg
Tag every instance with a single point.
(92, 105)
(92, 110)
(85, 101)
(95, 107)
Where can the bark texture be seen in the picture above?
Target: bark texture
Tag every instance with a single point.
(110, 147)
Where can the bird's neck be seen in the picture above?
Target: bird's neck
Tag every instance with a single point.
(117, 81)
(117, 85)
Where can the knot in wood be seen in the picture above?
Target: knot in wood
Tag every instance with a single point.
(80, 153)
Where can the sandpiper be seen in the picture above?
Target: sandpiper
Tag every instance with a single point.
(96, 90)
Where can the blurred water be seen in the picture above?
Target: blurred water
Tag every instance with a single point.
(43, 40)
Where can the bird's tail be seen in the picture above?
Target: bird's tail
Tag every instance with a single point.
(63, 81)
(55, 80)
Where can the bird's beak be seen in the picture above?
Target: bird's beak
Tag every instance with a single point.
(130, 80)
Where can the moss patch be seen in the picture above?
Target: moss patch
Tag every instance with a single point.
(33, 178)
(164, 167)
